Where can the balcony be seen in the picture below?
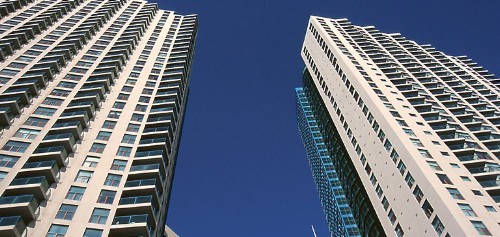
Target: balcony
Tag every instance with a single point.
(66, 139)
(49, 169)
(141, 187)
(24, 205)
(145, 171)
(12, 226)
(6, 115)
(132, 225)
(57, 153)
(136, 205)
(69, 127)
(39, 186)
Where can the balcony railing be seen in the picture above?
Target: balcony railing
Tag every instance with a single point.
(16, 199)
(145, 167)
(135, 200)
(31, 165)
(25, 181)
(143, 182)
(132, 219)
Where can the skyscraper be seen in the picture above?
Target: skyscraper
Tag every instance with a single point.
(92, 99)
(403, 140)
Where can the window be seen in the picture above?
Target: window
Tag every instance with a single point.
(416, 142)
(141, 108)
(387, 145)
(99, 216)
(399, 231)
(444, 179)
(130, 139)
(394, 156)
(124, 151)
(137, 117)
(119, 105)
(14, 146)
(381, 135)
(26, 133)
(455, 193)
(427, 208)
(8, 161)
(109, 124)
(45, 111)
(114, 114)
(106, 197)
(392, 217)
(92, 233)
(133, 127)
(401, 167)
(385, 203)
(66, 212)
(409, 132)
(122, 96)
(103, 136)
(419, 195)
(57, 231)
(402, 122)
(36, 122)
(52, 102)
(113, 180)
(425, 153)
(57, 92)
(2, 175)
(83, 176)
(409, 180)
(119, 165)
(75, 193)
(91, 161)
(465, 178)
(434, 165)
(477, 192)
(490, 209)
(456, 166)
(438, 226)
(480, 227)
(97, 147)
(467, 209)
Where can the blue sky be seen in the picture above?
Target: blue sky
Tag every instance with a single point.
(242, 169)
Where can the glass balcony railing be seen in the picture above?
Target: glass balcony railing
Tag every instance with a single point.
(484, 169)
(58, 136)
(30, 180)
(32, 165)
(157, 129)
(149, 153)
(49, 149)
(9, 220)
(132, 219)
(16, 199)
(490, 183)
(67, 124)
(135, 200)
(145, 167)
(142, 182)
(153, 140)
(67, 114)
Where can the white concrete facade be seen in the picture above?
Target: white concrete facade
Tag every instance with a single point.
(419, 181)
(111, 77)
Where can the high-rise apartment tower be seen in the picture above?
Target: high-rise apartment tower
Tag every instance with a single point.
(92, 99)
(402, 139)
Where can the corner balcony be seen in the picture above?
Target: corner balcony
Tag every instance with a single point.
(141, 187)
(49, 169)
(70, 127)
(145, 171)
(65, 139)
(39, 186)
(132, 225)
(12, 226)
(24, 205)
(6, 115)
(47, 153)
(136, 205)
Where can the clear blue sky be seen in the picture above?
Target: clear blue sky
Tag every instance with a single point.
(242, 169)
